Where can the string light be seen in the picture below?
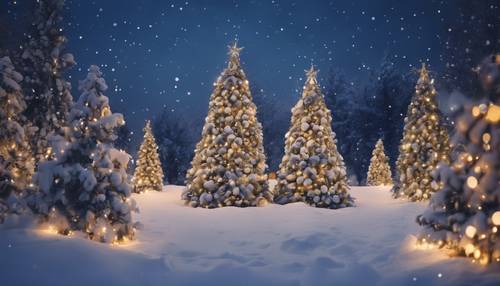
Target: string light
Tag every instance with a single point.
(231, 139)
(495, 218)
(472, 182)
(424, 144)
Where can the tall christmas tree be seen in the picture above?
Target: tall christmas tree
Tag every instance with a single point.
(228, 168)
(379, 172)
(84, 187)
(424, 143)
(16, 164)
(148, 173)
(312, 170)
(464, 215)
(48, 95)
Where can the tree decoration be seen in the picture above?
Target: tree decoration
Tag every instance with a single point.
(379, 172)
(312, 170)
(48, 95)
(16, 163)
(85, 187)
(228, 168)
(148, 173)
(424, 144)
(464, 215)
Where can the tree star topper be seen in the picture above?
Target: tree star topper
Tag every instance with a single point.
(311, 74)
(423, 72)
(234, 57)
(234, 50)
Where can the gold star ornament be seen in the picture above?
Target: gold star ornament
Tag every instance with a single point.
(234, 50)
(311, 74)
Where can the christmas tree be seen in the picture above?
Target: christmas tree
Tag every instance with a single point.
(312, 170)
(16, 164)
(148, 173)
(379, 172)
(48, 95)
(464, 215)
(424, 143)
(84, 187)
(228, 168)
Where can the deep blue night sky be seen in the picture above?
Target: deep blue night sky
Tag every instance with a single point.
(166, 54)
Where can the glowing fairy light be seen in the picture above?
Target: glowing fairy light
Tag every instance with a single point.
(495, 218)
(476, 111)
(472, 182)
(493, 114)
(470, 231)
(486, 138)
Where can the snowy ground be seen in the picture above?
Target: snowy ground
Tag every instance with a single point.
(275, 245)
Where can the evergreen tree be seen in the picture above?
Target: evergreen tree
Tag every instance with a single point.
(48, 95)
(124, 138)
(274, 122)
(363, 115)
(173, 133)
(85, 187)
(464, 214)
(369, 123)
(312, 170)
(12, 27)
(16, 164)
(424, 143)
(345, 103)
(148, 174)
(472, 34)
(379, 172)
(381, 112)
(229, 164)
(390, 99)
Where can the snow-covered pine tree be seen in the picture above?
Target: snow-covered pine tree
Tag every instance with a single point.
(379, 172)
(84, 187)
(16, 163)
(274, 124)
(228, 168)
(312, 170)
(148, 174)
(341, 96)
(48, 95)
(424, 143)
(124, 138)
(174, 136)
(464, 215)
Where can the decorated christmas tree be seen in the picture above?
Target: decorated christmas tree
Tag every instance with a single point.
(44, 62)
(16, 164)
(424, 143)
(464, 215)
(379, 172)
(228, 168)
(84, 187)
(148, 173)
(312, 170)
